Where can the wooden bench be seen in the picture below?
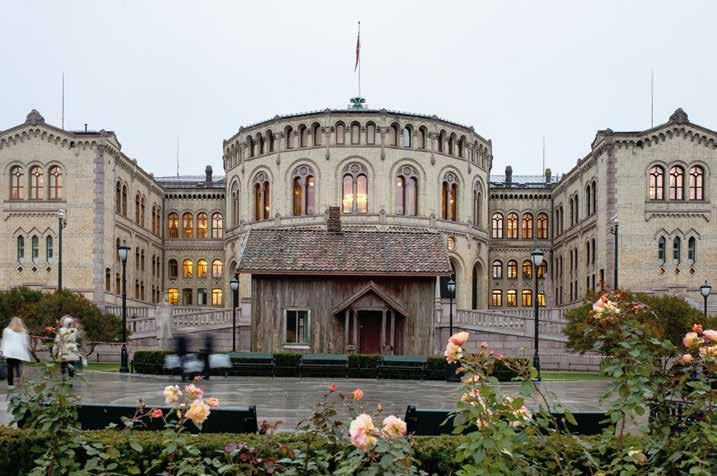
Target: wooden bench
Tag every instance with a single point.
(333, 363)
(402, 363)
(252, 362)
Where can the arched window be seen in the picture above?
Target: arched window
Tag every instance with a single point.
(393, 135)
(407, 191)
(512, 271)
(496, 298)
(154, 218)
(657, 183)
(452, 144)
(49, 248)
(124, 200)
(512, 225)
(217, 269)
(497, 269)
(235, 204)
(587, 254)
(136, 208)
(217, 226)
(422, 136)
(677, 176)
(572, 211)
(588, 211)
(511, 298)
(202, 226)
(250, 146)
(304, 185)
(17, 183)
(577, 209)
(316, 134)
(594, 200)
(407, 133)
(201, 268)
(270, 140)
(262, 197)
(692, 249)
(441, 140)
(172, 269)
(526, 298)
(527, 226)
(187, 268)
(55, 183)
(542, 226)
(289, 137)
(173, 225)
(461, 146)
(340, 133)
(20, 248)
(543, 269)
(303, 136)
(371, 133)
(355, 189)
(260, 142)
(37, 183)
(478, 204)
(676, 248)
(661, 249)
(142, 206)
(497, 225)
(527, 269)
(173, 296)
(118, 197)
(697, 183)
(355, 133)
(449, 197)
(35, 248)
(187, 226)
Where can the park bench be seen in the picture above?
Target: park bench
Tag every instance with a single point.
(427, 422)
(410, 364)
(248, 363)
(331, 363)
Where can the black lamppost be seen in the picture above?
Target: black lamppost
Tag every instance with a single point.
(537, 257)
(123, 254)
(706, 290)
(60, 225)
(615, 223)
(234, 284)
(451, 288)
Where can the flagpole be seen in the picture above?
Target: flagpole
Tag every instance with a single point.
(359, 60)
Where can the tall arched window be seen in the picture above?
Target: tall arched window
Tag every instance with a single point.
(250, 146)
(17, 183)
(340, 133)
(407, 191)
(407, 136)
(355, 133)
(235, 204)
(527, 269)
(692, 249)
(371, 133)
(118, 197)
(173, 225)
(55, 183)
(661, 249)
(260, 142)
(303, 136)
(452, 144)
(154, 218)
(136, 208)
(262, 197)
(543, 269)
(355, 189)
(304, 185)
(217, 269)
(461, 146)
(142, 206)
(172, 269)
(316, 134)
(542, 226)
(187, 226)
(527, 226)
(37, 183)
(512, 225)
(588, 198)
(20, 248)
(594, 198)
(124, 200)
(512, 270)
(497, 225)
(449, 197)
(187, 268)
(202, 268)
(393, 135)
(571, 207)
(217, 226)
(676, 248)
(202, 226)
(497, 269)
(677, 177)
(697, 183)
(478, 204)
(270, 140)
(657, 183)
(577, 209)
(49, 248)
(422, 137)
(35, 248)
(441, 140)
(289, 137)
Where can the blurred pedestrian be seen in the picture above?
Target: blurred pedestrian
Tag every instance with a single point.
(15, 348)
(208, 351)
(180, 343)
(66, 348)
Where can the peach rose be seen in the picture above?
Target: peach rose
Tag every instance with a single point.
(362, 432)
(193, 392)
(198, 412)
(523, 415)
(459, 338)
(708, 352)
(212, 402)
(637, 456)
(156, 413)
(686, 359)
(453, 353)
(710, 335)
(358, 394)
(691, 340)
(697, 328)
(332, 387)
(393, 426)
(172, 393)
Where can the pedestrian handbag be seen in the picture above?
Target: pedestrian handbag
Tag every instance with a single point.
(172, 361)
(219, 361)
(192, 365)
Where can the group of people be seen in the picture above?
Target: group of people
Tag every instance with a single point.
(15, 347)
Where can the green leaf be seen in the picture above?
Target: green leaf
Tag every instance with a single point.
(135, 446)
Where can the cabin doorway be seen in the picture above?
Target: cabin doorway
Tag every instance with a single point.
(369, 331)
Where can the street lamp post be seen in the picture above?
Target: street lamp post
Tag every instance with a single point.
(705, 290)
(537, 257)
(123, 254)
(234, 284)
(451, 288)
(615, 223)
(60, 226)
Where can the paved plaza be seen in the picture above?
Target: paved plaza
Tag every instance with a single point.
(289, 399)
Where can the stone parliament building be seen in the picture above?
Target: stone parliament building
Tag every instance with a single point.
(389, 172)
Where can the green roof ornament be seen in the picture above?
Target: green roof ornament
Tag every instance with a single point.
(357, 103)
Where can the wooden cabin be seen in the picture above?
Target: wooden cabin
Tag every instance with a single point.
(341, 292)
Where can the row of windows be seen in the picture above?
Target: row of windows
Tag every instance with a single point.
(203, 230)
(677, 249)
(676, 183)
(217, 297)
(512, 269)
(574, 208)
(188, 269)
(35, 249)
(139, 260)
(36, 184)
(140, 203)
(511, 298)
(510, 230)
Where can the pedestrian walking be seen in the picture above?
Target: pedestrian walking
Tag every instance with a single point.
(208, 351)
(180, 343)
(66, 348)
(15, 348)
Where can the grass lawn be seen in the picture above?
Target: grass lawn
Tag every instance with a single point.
(103, 366)
(567, 375)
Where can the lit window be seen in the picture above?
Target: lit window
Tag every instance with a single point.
(676, 183)
(355, 189)
(497, 269)
(528, 226)
(511, 298)
(217, 268)
(173, 294)
(187, 226)
(512, 269)
(201, 269)
(217, 226)
(202, 226)
(187, 268)
(497, 225)
(542, 226)
(297, 327)
(696, 183)
(262, 197)
(496, 298)
(512, 225)
(55, 183)
(217, 297)
(304, 186)
(542, 269)
(17, 182)
(541, 299)
(526, 298)
(527, 269)
(449, 197)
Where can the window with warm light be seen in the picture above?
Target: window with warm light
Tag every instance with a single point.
(187, 269)
(355, 189)
(512, 269)
(173, 225)
(17, 182)
(217, 269)
(542, 226)
(55, 183)
(676, 183)
(526, 298)
(262, 197)
(527, 269)
(37, 183)
(497, 269)
(217, 297)
(173, 295)
(202, 268)
(449, 197)
(217, 226)
(202, 226)
(542, 269)
(541, 299)
(304, 188)
(496, 298)
(527, 226)
(511, 298)
(187, 226)
(512, 225)
(696, 183)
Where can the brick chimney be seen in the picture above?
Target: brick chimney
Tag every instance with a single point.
(548, 175)
(333, 222)
(508, 175)
(208, 173)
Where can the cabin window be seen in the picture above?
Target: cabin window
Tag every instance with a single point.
(297, 326)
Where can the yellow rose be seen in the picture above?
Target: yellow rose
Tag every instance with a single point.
(198, 412)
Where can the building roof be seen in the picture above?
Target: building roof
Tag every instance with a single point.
(317, 252)
(532, 181)
(190, 181)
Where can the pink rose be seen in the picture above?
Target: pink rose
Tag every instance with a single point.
(697, 328)
(212, 402)
(358, 394)
(393, 426)
(193, 392)
(332, 387)
(362, 432)
(710, 335)
(453, 353)
(686, 359)
(156, 413)
(459, 338)
(691, 340)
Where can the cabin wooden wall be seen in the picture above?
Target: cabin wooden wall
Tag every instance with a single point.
(272, 294)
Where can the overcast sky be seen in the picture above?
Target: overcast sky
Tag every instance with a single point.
(516, 71)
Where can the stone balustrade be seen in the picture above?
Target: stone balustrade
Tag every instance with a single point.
(183, 318)
(514, 323)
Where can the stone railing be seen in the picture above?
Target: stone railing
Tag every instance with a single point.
(550, 313)
(510, 323)
(150, 311)
(183, 318)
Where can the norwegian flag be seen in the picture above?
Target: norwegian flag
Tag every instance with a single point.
(358, 47)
